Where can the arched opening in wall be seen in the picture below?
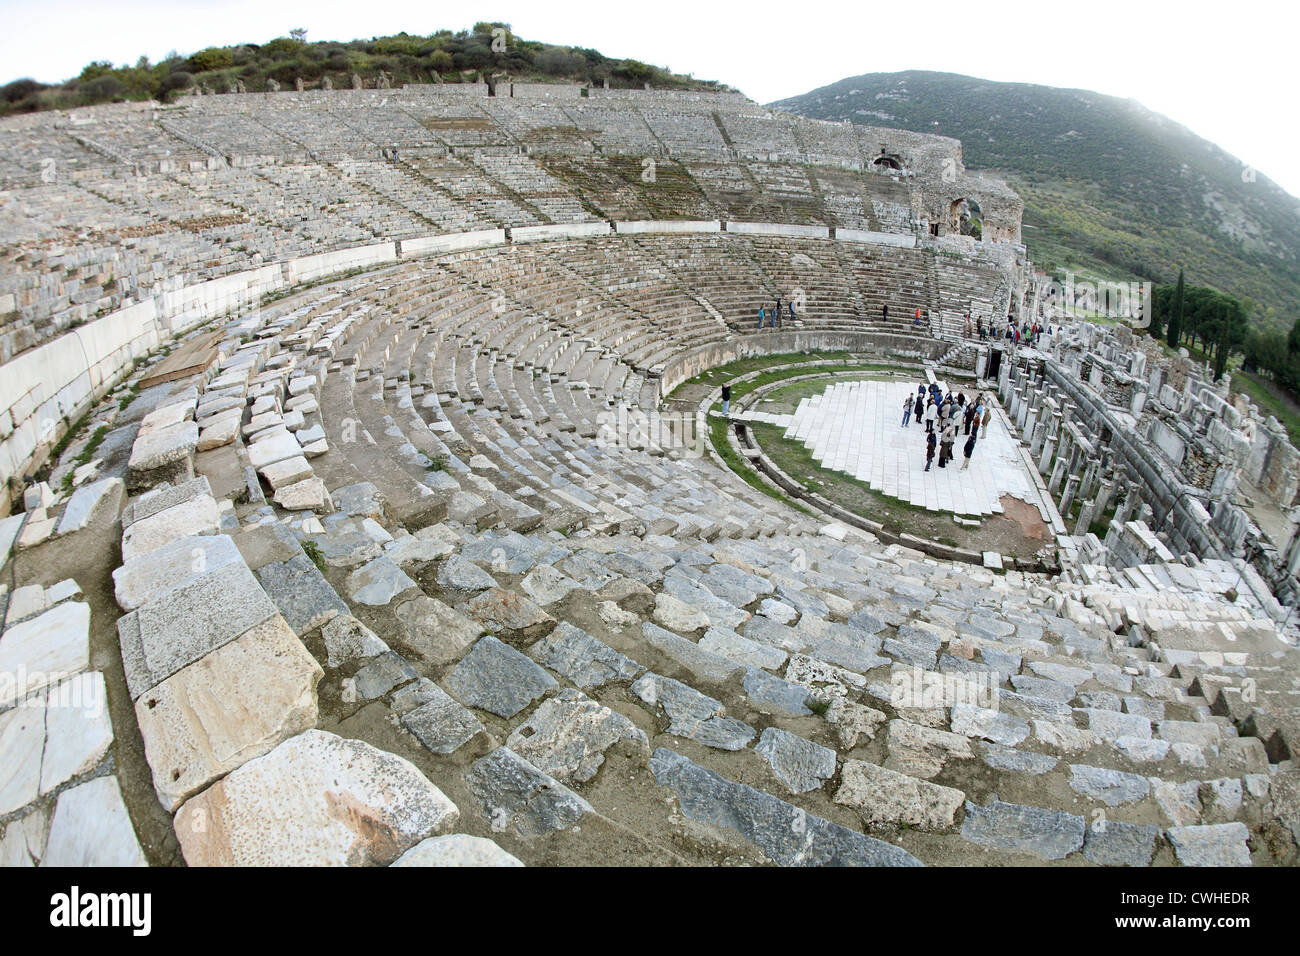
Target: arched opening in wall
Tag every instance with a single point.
(965, 218)
(887, 161)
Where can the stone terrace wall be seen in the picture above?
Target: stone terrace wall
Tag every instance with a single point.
(702, 359)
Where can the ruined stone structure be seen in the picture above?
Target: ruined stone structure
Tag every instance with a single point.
(1095, 407)
(360, 372)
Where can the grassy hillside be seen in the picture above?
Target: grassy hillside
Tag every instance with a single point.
(487, 49)
(1108, 184)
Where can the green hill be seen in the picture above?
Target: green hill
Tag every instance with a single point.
(488, 49)
(1108, 185)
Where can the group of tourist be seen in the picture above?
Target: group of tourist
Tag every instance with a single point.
(773, 315)
(1014, 332)
(942, 414)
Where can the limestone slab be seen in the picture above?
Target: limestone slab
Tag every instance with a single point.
(234, 704)
(316, 799)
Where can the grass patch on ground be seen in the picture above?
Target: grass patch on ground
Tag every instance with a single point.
(313, 551)
(718, 437)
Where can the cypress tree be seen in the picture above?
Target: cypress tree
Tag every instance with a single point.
(1176, 313)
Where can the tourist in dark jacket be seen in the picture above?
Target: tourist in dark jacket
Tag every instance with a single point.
(930, 443)
(967, 450)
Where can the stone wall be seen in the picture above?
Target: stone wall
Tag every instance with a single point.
(690, 364)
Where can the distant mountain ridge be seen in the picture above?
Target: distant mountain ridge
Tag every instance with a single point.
(1107, 183)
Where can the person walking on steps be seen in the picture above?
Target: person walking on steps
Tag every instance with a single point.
(726, 399)
(967, 450)
(884, 313)
(988, 417)
(907, 410)
(929, 450)
(761, 315)
(790, 306)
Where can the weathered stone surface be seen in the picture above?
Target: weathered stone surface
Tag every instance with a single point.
(677, 615)
(163, 497)
(922, 751)
(1219, 844)
(179, 627)
(567, 736)
(377, 582)
(456, 849)
(306, 495)
(784, 833)
(742, 650)
(235, 704)
(22, 741)
(417, 549)
(437, 633)
(380, 675)
(766, 689)
(302, 594)
(614, 616)
(697, 660)
(1064, 737)
(218, 431)
(885, 796)
(517, 796)
(1018, 761)
(316, 799)
(1110, 724)
(578, 656)
(43, 649)
(497, 678)
(439, 723)
(853, 722)
(1061, 673)
(1049, 834)
(347, 639)
(275, 447)
(499, 610)
(798, 762)
(163, 446)
(824, 680)
(90, 827)
(1111, 787)
(23, 842)
(1190, 732)
(195, 516)
(78, 731)
(174, 565)
(692, 714)
(458, 575)
(1116, 843)
(286, 472)
(545, 584)
(89, 501)
(992, 725)
(361, 500)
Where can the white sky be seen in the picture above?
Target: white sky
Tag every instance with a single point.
(1224, 70)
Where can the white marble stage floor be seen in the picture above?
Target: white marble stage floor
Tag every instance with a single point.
(855, 428)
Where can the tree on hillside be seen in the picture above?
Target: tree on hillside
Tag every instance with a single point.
(1176, 313)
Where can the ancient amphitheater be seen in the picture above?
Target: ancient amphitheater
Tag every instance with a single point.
(328, 541)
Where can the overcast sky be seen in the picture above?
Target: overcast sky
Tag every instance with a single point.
(1224, 70)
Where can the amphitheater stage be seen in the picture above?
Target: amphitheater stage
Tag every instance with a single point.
(855, 428)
